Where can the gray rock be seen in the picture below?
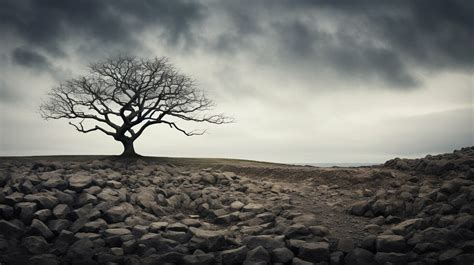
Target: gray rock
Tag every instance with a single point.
(80, 181)
(359, 256)
(44, 259)
(114, 184)
(368, 243)
(345, 244)
(282, 255)
(81, 251)
(14, 198)
(449, 256)
(391, 258)
(181, 237)
(198, 259)
(297, 261)
(319, 230)
(191, 222)
(47, 200)
(35, 244)
(39, 228)
(296, 230)
(407, 226)
(117, 232)
(85, 198)
(55, 182)
(227, 218)
(63, 240)
(254, 207)
(451, 186)
(336, 258)
(234, 256)
(206, 239)
(258, 254)
(158, 226)
(146, 197)
(236, 205)
(88, 211)
(177, 227)
(108, 195)
(10, 229)
(42, 215)
(119, 213)
(306, 219)
(359, 208)
(95, 226)
(269, 242)
(26, 209)
(295, 244)
(314, 252)
(58, 225)
(390, 243)
(209, 178)
(6, 211)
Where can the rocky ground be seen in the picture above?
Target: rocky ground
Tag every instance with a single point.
(87, 210)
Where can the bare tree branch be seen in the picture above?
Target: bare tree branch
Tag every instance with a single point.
(129, 95)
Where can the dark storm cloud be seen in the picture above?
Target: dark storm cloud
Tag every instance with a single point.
(382, 39)
(28, 58)
(47, 24)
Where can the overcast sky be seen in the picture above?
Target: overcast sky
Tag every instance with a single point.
(306, 81)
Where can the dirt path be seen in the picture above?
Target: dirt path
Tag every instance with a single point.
(330, 209)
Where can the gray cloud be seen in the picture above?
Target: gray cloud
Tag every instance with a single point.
(306, 80)
(29, 58)
(382, 40)
(47, 24)
(7, 94)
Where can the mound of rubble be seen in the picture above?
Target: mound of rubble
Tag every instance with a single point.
(111, 211)
(107, 212)
(460, 161)
(423, 222)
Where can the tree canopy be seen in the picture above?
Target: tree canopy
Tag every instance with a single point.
(123, 96)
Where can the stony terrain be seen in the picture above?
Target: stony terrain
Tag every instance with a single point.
(104, 210)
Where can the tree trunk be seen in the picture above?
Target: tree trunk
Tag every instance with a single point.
(128, 149)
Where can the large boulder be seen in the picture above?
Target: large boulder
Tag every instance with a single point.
(281, 255)
(10, 229)
(26, 210)
(359, 208)
(47, 200)
(80, 180)
(269, 242)
(145, 197)
(119, 213)
(254, 207)
(198, 259)
(359, 256)
(407, 226)
(55, 181)
(257, 255)
(207, 240)
(234, 256)
(390, 243)
(81, 252)
(35, 244)
(314, 252)
(39, 228)
(391, 258)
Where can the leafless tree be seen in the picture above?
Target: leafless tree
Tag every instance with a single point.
(122, 96)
